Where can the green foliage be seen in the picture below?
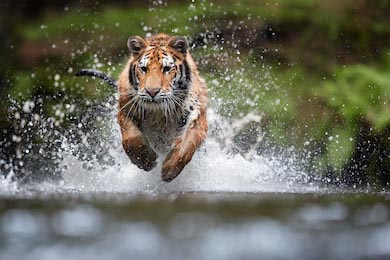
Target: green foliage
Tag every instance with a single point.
(361, 91)
(356, 94)
(340, 145)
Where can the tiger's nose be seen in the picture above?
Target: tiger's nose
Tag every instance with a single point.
(153, 92)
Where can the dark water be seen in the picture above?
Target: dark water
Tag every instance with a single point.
(327, 224)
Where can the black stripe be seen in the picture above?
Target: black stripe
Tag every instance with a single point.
(188, 71)
(182, 73)
(132, 76)
(183, 120)
(185, 76)
(131, 79)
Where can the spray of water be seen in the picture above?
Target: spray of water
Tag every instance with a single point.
(221, 165)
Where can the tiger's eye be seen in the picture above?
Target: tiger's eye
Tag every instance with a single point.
(166, 69)
(144, 68)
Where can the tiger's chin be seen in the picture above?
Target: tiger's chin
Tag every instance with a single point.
(160, 106)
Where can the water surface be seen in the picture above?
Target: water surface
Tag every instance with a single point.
(176, 225)
(224, 205)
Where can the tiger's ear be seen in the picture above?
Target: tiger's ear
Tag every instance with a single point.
(136, 44)
(179, 43)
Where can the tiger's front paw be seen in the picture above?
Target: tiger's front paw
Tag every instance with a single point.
(169, 173)
(147, 163)
(172, 166)
(144, 157)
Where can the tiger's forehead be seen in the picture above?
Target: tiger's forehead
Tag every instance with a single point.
(156, 55)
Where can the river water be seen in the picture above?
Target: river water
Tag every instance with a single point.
(226, 204)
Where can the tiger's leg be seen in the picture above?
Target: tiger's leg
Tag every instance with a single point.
(184, 148)
(135, 144)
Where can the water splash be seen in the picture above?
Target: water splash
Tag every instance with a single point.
(88, 156)
(7, 185)
(221, 165)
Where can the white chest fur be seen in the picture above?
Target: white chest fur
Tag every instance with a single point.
(159, 131)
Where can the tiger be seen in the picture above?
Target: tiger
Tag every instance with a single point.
(162, 104)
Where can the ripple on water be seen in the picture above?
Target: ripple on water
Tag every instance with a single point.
(85, 231)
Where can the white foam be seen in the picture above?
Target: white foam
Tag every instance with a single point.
(7, 185)
(214, 168)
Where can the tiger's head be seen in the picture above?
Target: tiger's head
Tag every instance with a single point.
(159, 71)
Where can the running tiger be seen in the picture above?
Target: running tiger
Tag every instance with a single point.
(162, 103)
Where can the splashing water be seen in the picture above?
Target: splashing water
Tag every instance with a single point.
(232, 158)
(7, 186)
(221, 165)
